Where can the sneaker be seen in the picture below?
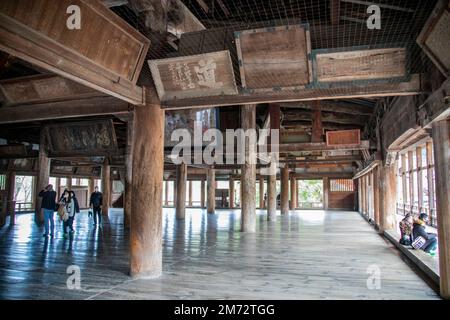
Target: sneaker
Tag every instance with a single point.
(65, 235)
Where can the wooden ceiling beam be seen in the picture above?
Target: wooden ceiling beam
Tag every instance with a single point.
(85, 55)
(64, 109)
(411, 87)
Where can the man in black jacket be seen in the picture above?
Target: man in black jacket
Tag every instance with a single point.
(96, 202)
(48, 196)
(419, 231)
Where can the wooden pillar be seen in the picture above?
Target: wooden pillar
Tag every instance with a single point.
(404, 188)
(411, 178)
(388, 197)
(376, 195)
(190, 194)
(419, 178)
(284, 197)
(166, 193)
(359, 196)
(272, 197)
(10, 184)
(202, 195)
(430, 184)
(231, 189)
(441, 146)
(128, 174)
(69, 183)
(294, 194)
(181, 190)
(316, 134)
(106, 186)
(326, 192)
(261, 192)
(248, 169)
(58, 187)
(43, 175)
(211, 190)
(147, 178)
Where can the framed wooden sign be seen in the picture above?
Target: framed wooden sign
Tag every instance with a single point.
(343, 137)
(82, 138)
(274, 59)
(352, 65)
(435, 36)
(202, 75)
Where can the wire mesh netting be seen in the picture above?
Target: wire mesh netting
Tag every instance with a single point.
(333, 25)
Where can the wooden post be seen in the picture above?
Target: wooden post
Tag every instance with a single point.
(128, 174)
(43, 175)
(202, 195)
(69, 183)
(411, 179)
(166, 193)
(316, 134)
(388, 197)
(58, 187)
(326, 192)
(359, 195)
(419, 178)
(146, 207)
(10, 190)
(376, 196)
(430, 183)
(272, 197)
(294, 199)
(404, 188)
(231, 187)
(181, 191)
(248, 169)
(211, 189)
(261, 192)
(284, 206)
(106, 187)
(190, 193)
(441, 146)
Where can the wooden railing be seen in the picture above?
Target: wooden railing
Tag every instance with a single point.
(23, 206)
(310, 205)
(404, 208)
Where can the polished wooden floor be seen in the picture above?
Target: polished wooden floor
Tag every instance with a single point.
(306, 255)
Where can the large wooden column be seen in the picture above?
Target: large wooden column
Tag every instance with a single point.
(106, 186)
(430, 183)
(202, 195)
(248, 186)
(10, 184)
(376, 195)
(128, 174)
(293, 204)
(419, 178)
(261, 192)
(166, 193)
(284, 206)
(441, 145)
(43, 175)
(147, 179)
(388, 197)
(68, 183)
(272, 197)
(231, 189)
(57, 187)
(326, 192)
(211, 190)
(190, 194)
(181, 190)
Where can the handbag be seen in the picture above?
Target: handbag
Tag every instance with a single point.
(418, 242)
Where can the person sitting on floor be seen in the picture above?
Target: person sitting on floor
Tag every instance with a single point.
(406, 227)
(430, 244)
